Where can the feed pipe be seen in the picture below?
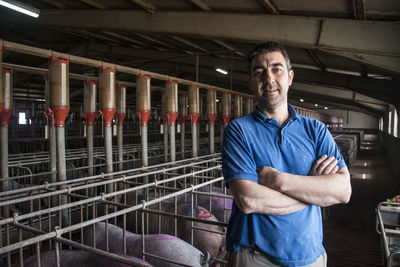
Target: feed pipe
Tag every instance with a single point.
(194, 114)
(212, 115)
(107, 109)
(89, 108)
(120, 114)
(25, 49)
(171, 95)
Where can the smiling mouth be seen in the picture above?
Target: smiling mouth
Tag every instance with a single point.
(270, 91)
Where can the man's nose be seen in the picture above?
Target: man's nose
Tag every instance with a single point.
(267, 77)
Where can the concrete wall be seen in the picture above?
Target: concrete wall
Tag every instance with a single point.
(391, 145)
(352, 119)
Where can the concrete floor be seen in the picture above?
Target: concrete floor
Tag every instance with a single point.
(349, 231)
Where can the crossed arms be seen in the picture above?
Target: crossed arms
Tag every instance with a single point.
(279, 193)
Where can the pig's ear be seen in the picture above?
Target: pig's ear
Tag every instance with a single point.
(205, 259)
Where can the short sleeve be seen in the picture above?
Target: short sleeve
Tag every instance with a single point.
(237, 159)
(327, 145)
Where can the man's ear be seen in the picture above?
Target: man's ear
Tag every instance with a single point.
(291, 75)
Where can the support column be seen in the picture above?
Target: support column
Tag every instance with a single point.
(1, 80)
(238, 106)
(165, 124)
(89, 113)
(249, 105)
(52, 133)
(59, 104)
(143, 111)
(183, 111)
(212, 115)
(226, 111)
(7, 93)
(121, 113)
(107, 109)
(171, 92)
(194, 114)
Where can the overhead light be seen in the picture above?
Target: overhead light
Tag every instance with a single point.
(221, 71)
(21, 7)
(301, 100)
(325, 107)
(316, 105)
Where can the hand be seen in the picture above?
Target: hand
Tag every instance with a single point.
(324, 165)
(269, 177)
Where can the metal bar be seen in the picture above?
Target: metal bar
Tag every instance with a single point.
(11, 46)
(102, 176)
(62, 174)
(103, 196)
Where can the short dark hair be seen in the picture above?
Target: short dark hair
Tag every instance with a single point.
(269, 47)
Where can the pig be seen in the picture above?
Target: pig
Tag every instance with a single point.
(213, 243)
(166, 246)
(79, 258)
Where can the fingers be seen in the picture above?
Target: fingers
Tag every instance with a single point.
(316, 164)
(324, 165)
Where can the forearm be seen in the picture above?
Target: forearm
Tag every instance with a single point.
(321, 190)
(251, 197)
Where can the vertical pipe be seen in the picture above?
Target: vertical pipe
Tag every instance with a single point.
(143, 111)
(238, 106)
(212, 115)
(1, 80)
(165, 124)
(226, 111)
(89, 109)
(249, 105)
(7, 92)
(52, 136)
(108, 108)
(171, 94)
(121, 113)
(194, 114)
(59, 103)
(183, 111)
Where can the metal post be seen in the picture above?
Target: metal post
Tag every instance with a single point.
(4, 165)
(194, 113)
(59, 104)
(121, 113)
(7, 93)
(172, 141)
(143, 112)
(212, 115)
(62, 171)
(171, 95)
(89, 140)
(108, 108)
(183, 111)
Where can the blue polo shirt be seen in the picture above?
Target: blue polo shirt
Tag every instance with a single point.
(254, 141)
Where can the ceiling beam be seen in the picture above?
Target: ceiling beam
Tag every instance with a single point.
(385, 90)
(201, 5)
(359, 9)
(316, 59)
(361, 38)
(93, 3)
(230, 47)
(270, 6)
(189, 43)
(53, 3)
(145, 5)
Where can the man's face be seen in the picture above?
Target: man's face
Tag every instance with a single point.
(270, 79)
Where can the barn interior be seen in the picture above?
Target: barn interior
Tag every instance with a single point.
(113, 112)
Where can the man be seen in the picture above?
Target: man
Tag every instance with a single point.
(281, 168)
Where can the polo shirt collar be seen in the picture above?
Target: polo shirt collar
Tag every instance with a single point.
(258, 115)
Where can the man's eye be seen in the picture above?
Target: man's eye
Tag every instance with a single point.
(258, 73)
(276, 70)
